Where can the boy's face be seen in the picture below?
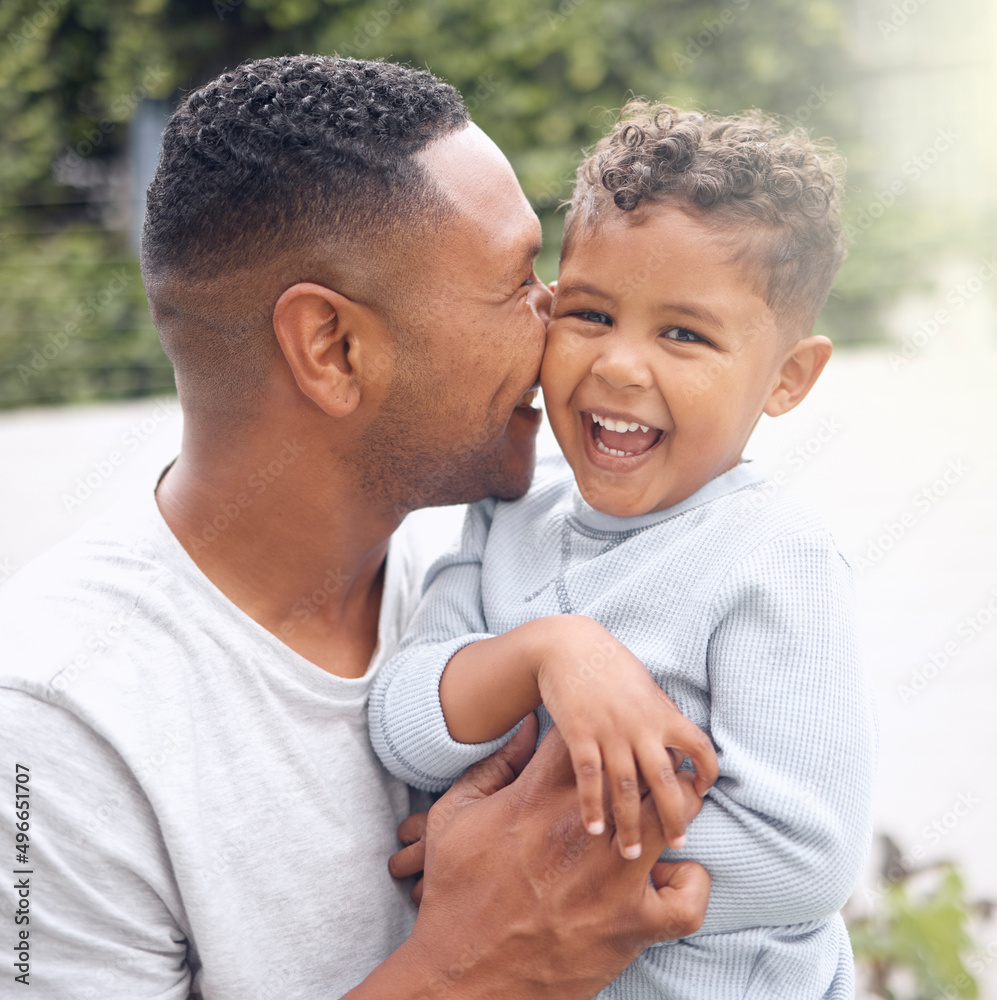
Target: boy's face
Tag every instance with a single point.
(654, 327)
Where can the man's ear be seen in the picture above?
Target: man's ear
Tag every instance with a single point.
(799, 371)
(322, 336)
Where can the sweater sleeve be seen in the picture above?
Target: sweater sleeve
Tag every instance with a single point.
(785, 832)
(407, 727)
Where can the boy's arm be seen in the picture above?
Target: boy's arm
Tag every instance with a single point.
(407, 727)
(453, 694)
(785, 831)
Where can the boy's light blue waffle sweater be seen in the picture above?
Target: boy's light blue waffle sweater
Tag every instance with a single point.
(741, 607)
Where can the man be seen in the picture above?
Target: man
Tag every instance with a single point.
(341, 269)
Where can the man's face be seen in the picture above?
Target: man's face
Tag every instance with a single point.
(661, 356)
(470, 338)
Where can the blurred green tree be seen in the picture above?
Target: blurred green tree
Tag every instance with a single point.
(541, 77)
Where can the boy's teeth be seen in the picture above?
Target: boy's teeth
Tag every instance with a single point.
(619, 426)
(612, 451)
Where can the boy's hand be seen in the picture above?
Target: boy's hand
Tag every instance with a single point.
(613, 717)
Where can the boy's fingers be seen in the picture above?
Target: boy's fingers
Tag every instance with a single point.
(656, 767)
(698, 747)
(586, 760)
(621, 775)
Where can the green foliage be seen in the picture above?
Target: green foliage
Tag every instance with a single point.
(913, 946)
(538, 75)
(86, 335)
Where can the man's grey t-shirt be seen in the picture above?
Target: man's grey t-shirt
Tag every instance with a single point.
(206, 812)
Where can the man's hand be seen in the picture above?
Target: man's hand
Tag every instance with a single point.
(519, 900)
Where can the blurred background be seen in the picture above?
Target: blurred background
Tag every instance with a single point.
(894, 446)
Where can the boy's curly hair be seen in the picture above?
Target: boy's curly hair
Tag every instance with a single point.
(776, 191)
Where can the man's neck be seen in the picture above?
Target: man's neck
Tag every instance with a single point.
(307, 564)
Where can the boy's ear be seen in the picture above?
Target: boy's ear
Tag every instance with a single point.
(799, 371)
(322, 336)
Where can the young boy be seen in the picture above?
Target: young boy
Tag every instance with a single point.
(697, 255)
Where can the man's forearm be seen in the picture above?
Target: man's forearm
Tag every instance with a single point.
(459, 970)
(519, 900)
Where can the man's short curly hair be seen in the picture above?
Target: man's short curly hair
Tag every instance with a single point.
(770, 189)
(301, 163)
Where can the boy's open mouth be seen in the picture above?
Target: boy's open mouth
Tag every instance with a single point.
(622, 438)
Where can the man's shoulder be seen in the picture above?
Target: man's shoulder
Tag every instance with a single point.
(72, 607)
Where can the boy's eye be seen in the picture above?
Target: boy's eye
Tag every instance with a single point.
(682, 334)
(591, 316)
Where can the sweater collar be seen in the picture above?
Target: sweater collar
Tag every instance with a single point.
(742, 475)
